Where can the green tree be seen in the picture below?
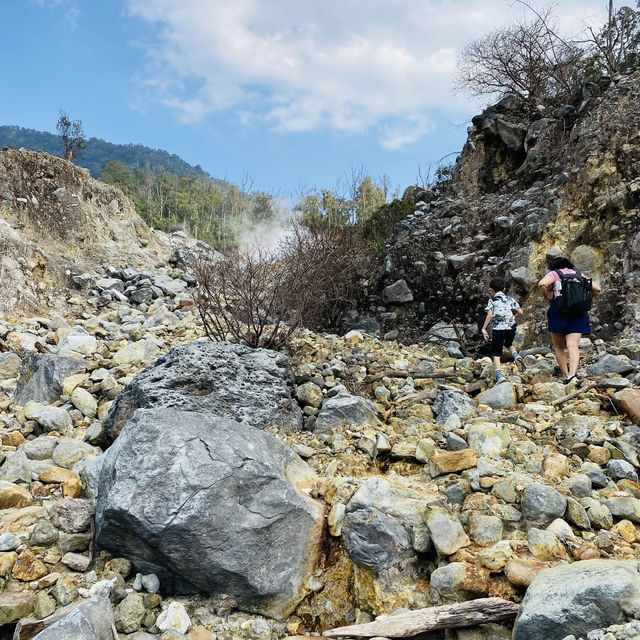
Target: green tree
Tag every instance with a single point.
(71, 136)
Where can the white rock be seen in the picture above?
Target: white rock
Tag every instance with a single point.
(174, 617)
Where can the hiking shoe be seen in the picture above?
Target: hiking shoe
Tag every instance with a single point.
(519, 361)
(570, 379)
(500, 378)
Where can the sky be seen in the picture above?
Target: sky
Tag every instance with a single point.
(293, 94)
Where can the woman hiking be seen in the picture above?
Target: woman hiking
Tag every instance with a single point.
(569, 295)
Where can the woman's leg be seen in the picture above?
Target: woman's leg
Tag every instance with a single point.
(573, 347)
(559, 345)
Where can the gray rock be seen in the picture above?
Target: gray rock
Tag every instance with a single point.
(542, 504)
(89, 620)
(41, 377)
(450, 402)
(500, 396)
(72, 515)
(579, 485)
(522, 276)
(209, 505)
(110, 284)
(397, 293)
(151, 583)
(374, 540)
(9, 542)
(511, 134)
(620, 469)
(345, 409)
(41, 448)
(128, 614)
(217, 378)
(610, 364)
(401, 504)
(445, 530)
(43, 534)
(579, 597)
(10, 364)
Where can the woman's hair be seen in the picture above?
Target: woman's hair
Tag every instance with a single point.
(561, 263)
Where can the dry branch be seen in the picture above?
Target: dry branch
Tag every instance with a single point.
(392, 373)
(407, 625)
(577, 392)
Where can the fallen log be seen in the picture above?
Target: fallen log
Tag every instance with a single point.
(413, 623)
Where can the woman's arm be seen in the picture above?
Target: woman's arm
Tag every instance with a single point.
(545, 285)
(595, 288)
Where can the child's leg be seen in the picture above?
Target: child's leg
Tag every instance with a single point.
(497, 364)
(497, 344)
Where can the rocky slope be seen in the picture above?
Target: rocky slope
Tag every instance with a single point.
(57, 222)
(435, 485)
(564, 183)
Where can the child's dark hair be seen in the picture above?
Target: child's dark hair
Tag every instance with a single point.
(497, 284)
(561, 263)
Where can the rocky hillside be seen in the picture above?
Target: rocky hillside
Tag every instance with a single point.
(56, 222)
(154, 484)
(564, 182)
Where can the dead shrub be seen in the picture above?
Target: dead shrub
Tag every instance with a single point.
(259, 297)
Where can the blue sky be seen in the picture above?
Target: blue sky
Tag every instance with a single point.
(291, 92)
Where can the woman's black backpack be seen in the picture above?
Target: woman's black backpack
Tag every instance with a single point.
(576, 295)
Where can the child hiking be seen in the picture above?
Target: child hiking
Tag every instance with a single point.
(502, 311)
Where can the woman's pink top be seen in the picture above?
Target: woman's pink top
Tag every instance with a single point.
(556, 280)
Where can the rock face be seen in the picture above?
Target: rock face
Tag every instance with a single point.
(41, 377)
(217, 378)
(90, 620)
(574, 599)
(209, 505)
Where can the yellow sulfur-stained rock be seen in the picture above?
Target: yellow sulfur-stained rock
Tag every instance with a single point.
(71, 483)
(70, 383)
(28, 568)
(451, 461)
(626, 530)
(521, 571)
(13, 495)
(13, 439)
(7, 560)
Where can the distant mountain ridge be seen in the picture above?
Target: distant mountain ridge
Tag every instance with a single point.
(99, 152)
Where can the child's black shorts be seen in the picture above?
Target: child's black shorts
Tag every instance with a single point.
(501, 338)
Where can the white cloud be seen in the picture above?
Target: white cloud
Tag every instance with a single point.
(343, 65)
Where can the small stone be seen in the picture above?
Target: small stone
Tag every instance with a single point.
(9, 542)
(541, 503)
(71, 483)
(14, 605)
(485, 530)
(44, 605)
(13, 495)
(151, 583)
(445, 530)
(451, 461)
(119, 565)
(621, 469)
(28, 568)
(84, 401)
(76, 561)
(579, 485)
(521, 571)
(174, 617)
(309, 394)
(72, 515)
(43, 534)
(128, 614)
(460, 578)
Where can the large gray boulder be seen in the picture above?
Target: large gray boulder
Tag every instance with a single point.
(41, 377)
(610, 364)
(345, 409)
(577, 598)
(500, 396)
(89, 620)
(210, 506)
(217, 378)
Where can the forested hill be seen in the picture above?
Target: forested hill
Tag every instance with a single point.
(99, 152)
